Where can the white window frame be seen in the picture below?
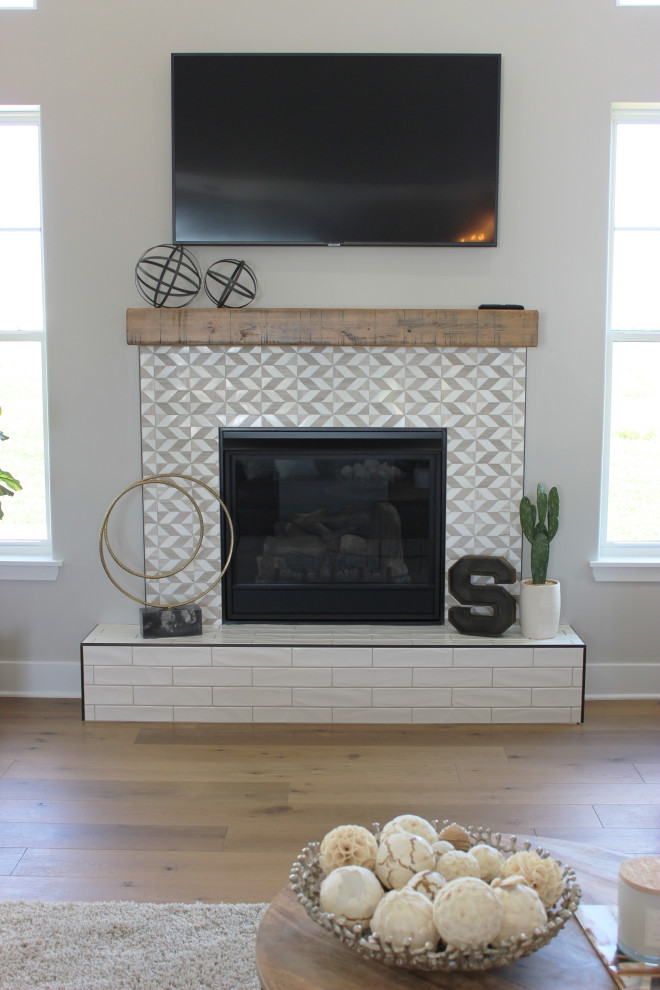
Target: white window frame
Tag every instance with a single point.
(31, 559)
(622, 561)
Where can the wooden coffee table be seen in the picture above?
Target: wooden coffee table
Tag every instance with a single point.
(293, 953)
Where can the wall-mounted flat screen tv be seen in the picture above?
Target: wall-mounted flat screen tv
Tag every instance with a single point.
(347, 149)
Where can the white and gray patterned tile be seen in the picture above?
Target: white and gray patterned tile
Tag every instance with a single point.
(478, 394)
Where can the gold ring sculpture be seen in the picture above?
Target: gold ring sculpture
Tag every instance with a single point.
(165, 479)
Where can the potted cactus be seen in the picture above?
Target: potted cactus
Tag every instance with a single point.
(540, 599)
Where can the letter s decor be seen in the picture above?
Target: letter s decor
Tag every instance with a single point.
(492, 596)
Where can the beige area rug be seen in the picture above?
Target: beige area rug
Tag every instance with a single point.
(127, 946)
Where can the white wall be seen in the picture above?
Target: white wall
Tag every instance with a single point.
(100, 71)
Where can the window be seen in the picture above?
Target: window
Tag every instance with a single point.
(630, 515)
(25, 526)
(18, 4)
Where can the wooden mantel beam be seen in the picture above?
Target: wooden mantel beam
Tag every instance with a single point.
(334, 327)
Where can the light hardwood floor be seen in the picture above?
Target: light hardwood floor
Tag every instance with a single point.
(153, 812)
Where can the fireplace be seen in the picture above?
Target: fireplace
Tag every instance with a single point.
(335, 525)
(297, 672)
(331, 673)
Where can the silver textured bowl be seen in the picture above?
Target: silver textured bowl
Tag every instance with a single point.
(307, 875)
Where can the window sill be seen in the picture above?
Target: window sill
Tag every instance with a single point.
(29, 568)
(626, 569)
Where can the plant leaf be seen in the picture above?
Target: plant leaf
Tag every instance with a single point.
(553, 513)
(7, 482)
(542, 502)
(540, 558)
(527, 518)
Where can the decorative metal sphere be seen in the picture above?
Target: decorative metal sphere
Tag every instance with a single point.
(230, 283)
(168, 275)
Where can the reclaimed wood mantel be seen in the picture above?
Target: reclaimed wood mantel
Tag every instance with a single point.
(334, 327)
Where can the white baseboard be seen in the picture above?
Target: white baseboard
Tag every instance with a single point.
(40, 679)
(610, 681)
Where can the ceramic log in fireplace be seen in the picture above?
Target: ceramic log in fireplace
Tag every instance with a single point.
(336, 525)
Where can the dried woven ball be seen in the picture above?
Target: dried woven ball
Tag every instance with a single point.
(406, 917)
(351, 893)
(523, 908)
(348, 845)
(457, 863)
(410, 823)
(543, 873)
(490, 860)
(457, 835)
(168, 275)
(230, 283)
(441, 846)
(427, 882)
(467, 913)
(400, 856)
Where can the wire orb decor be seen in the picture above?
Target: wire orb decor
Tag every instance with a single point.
(229, 281)
(168, 275)
(167, 480)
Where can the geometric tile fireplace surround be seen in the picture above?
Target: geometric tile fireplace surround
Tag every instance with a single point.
(477, 393)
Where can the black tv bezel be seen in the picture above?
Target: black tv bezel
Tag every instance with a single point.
(247, 242)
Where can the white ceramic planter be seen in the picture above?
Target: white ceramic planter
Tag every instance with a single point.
(540, 605)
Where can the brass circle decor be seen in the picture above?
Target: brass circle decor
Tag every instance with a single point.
(165, 479)
(106, 539)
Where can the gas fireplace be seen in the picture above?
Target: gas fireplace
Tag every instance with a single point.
(334, 525)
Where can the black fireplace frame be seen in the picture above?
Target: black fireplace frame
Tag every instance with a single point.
(326, 603)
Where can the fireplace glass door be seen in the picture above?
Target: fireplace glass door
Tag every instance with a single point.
(334, 525)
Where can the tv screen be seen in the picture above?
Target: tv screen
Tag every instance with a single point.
(335, 149)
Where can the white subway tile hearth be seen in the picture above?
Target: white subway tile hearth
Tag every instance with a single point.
(407, 674)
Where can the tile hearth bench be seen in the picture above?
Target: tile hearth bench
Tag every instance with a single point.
(334, 673)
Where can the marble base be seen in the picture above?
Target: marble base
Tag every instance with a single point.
(164, 623)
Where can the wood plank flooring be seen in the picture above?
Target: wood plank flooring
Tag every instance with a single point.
(146, 812)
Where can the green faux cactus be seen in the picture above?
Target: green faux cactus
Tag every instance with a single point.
(539, 533)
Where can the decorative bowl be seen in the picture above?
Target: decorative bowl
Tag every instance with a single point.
(306, 877)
